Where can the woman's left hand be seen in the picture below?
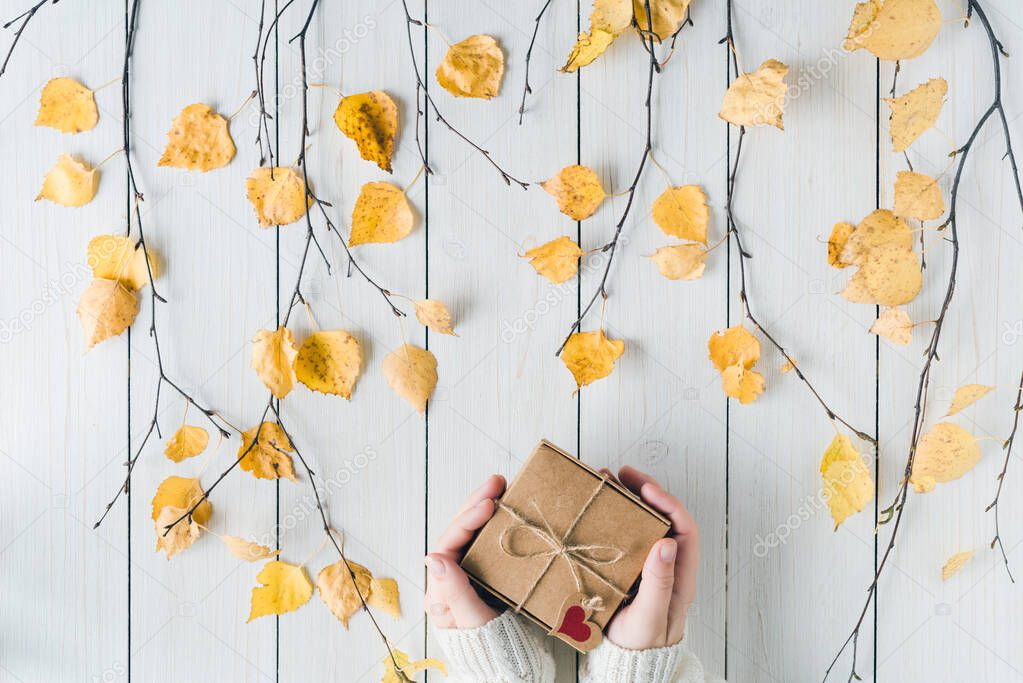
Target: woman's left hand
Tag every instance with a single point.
(667, 587)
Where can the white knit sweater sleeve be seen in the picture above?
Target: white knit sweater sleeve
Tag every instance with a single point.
(608, 663)
(507, 649)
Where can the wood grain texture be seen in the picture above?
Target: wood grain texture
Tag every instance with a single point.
(778, 589)
(963, 627)
(786, 566)
(503, 388)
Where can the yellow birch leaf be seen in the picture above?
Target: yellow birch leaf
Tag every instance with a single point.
(412, 373)
(198, 140)
(893, 29)
(383, 595)
(67, 105)
(757, 98)
(895, 325)
(847, 483)
(589, 356)
(267, 457)
(408, 668)
(892, 276)
(944, 454)
(435, 315)
(681, 261)
(181, 492)
(70, 182)
(741, 383)
(106, 309)
(381, 214)
(734, 346)
(370, 119)
(248, 550)
(577, 190)
(788, 367)
(967, 395)
(277, 194)
(557, 260)
(881, 229)
(339, 593)
(180, 536)
(611, 15)
(588, 46)
(836, 243)
(668, 16)
(955, 563)
(115, 257)
(472, 68)
(607, 20)
(273, 359)
(329, 362)
(682, 212)
(917, 195)
(915, 112)
(188, 442)
(286, 587)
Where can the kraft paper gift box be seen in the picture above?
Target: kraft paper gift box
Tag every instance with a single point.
(565, 546)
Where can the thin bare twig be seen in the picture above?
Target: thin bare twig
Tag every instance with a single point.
(735, 234)
(526, 90)
(337, 546)
(653, 67)
(1007, 447)
(25, 18)
(134, 199)
(423, 92)
(897, 509)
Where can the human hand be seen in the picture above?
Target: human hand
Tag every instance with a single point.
(450, 600)
(667, 586)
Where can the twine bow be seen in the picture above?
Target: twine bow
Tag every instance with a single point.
(586, 557)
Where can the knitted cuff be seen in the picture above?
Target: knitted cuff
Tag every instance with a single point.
(503, 650)
(675, 663)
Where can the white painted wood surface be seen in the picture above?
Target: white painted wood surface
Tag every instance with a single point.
(766, 611)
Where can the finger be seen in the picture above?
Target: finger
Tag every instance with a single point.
(609, 474)
(633, 479)
(682, 523)
(450, 586)
(656, 584)
(462, 528)
(493, 487)
(686, 535)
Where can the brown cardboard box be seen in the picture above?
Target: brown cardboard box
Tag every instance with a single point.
(571, 584)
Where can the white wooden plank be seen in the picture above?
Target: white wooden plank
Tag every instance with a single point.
(501, 388)
(786, 566)
(219, 281)
(65, 607)
(370, 451)
(968, 625)
(662, 410)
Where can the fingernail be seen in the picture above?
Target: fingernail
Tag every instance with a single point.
(667, 551)
(437, 568)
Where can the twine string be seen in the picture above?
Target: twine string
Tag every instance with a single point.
(588, 556)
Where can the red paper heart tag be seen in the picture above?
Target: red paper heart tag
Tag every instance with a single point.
(573, 625)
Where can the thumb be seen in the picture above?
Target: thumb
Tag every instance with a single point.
(655, 586)
(450, 585)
